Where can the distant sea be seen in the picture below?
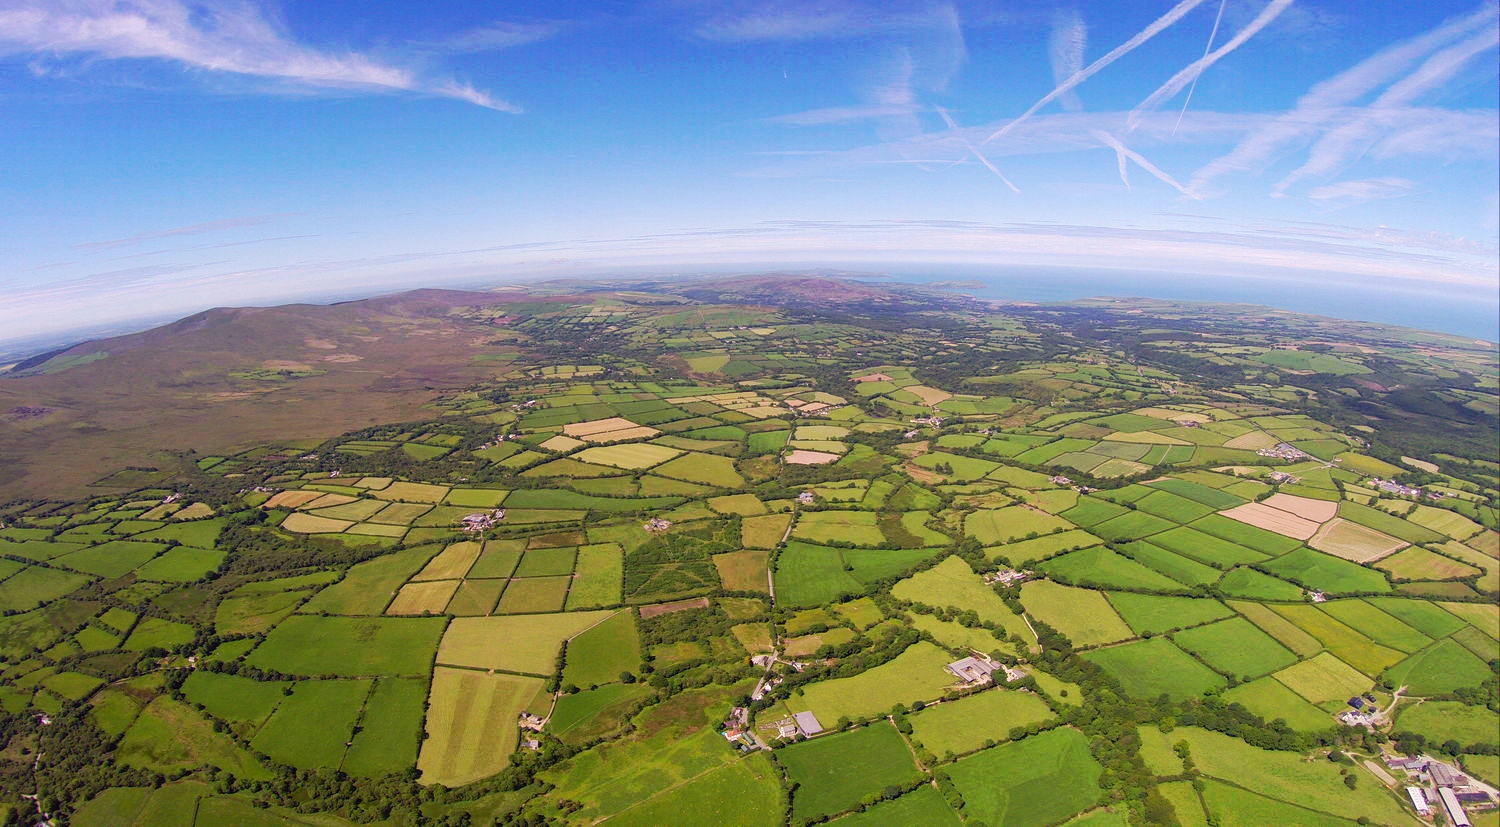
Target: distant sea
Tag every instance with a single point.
(1466, 315)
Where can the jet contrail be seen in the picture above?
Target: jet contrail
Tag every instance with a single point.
(1122, 152)
(1206, 47)
(1118, 52)
(1190, 74)
(975, 150)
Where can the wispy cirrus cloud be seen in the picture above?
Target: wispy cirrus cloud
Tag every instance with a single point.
(173, 232)
(1070, 36)
(1359, 192)
(495, 37)
(231, 37)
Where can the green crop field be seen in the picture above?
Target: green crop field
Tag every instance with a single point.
(1091, 511)
(312, 725)
(1376, 625)
(1327, 573)
(953, 583)
(1256, 539)
(531, 642)
(1419, 614)
(1347, 643)
(534, 594)
(1014, 523)
(916, 674)
(1173, 507)
(835, 772)
(390, 728)
(1235, 647)
(1031, 783)
(1216, 498)
(369, 586)
(742, 794)
(471, 724)
(1324, 678)
(1100, 567)
(1271, 699)
(546, 562)
(234, 698)
(182, 565)
(600, 571)
(1083, 615)
(346, 646)
(1149, 613)
(965, 725)
(1022, 552)
(1149, 668)
(600, 654)
(1182, 569)
(1206, 548)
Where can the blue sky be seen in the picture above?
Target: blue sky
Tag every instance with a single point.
(164, 156)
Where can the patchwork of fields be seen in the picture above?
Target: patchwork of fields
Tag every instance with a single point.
(568, 587)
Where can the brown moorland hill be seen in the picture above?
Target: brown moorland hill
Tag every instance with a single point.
(231, 377)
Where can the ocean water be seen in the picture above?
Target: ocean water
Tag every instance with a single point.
(1469, 315)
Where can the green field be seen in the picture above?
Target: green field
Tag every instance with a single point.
(1236, 647)
(1100, 567)
(1032, 783)
(600, 654)
(857, 527)
(1327, 573)
(1233, 806)
(916, 674)
(967, 724)
(311, 726)
(1149, 613)
(350, 647)
(390, 728)
(1182, 569)
(182, 565)
(169, 736)
(1271, 699)
(1439, 669)
(1022, 552)
(368, 587)
(1004, 525)
(834, 772)
(1149, 668)
(1377, 625)
(953, 583)
(1256, 539)
(600, 570)
(593, 712)
(1448, 720)
(922, 807)
(534, 594)
(1206, 548)
(1084, 616)
(547, 562)
(1421, 615)
(809, 575)
(234, 698)
(742, 794)
(1257, 585)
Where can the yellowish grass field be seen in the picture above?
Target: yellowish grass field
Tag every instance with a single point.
(1253, 441)
(562, 443)
(309, 524)
(452, 563)
(743, 570)
(1145, 438)
(372, 483)
(745, 505)
(513, 643)
(598, 426)
(419, 598)
(764, 532)
(291, 499)
(327, 501)
(629, 457)
(1355, 542)
(471, 723)
(194, 512)
(930, 396)
(413, 492)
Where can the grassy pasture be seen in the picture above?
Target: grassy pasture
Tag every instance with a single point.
(349, 646)
(534, 594)
(1021, 552)
(1216, 498)
(390, 728)
(1133, 526)
(153, 631)
(1417, 563)
(475, 597)
(1083, 615)
(741, 794)
(1271, 699)
(1244, 534)
(599, 654)
(1324, 678)
(966, 724)
(169, 735)
(1440, 668)
(1377, 625)
(922, 807)
(1388, 523)
(530, 642)
(1170, 506)
(1030, 783)
(809, 575)
(835, 772)
(498, 559)
(1287, 633)
(547, 562)
(1448, 720)
(594, 711)
(34, 586)
(312, 725)
(1100, 567)
(953, 583)
(1342, 640)
(234, 698)
(1236, 647)
(857, 527)
(1173, 565)
(1421, 615)
(1149, 668)
(1327, 573)
(1004, 525)
(1091, 511)
(181, 565)
(471, 724)
(956, 635)
(111, 559)
(474, 498)
(764, 532)
(1244, 582)
(703, 468)
(1233, 806)
(600, 570)
(916, 674)
(1154, 614)
(412, 492)
(369, 586)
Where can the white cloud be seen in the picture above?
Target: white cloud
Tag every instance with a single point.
(230, 37)
(1070, 36)
(1373, 189)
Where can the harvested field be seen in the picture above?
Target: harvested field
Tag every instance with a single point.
(453, 562)
(534, 594)
(743, 570)
(764, 532)
(530, 642)
(310, 524)
(429, 597)
(1418, 563)
(1281, 522)
(471, 724)
(1318, 511)
(802, 456)
(291, 499)
(1354, 542)
(475, 598)
(1324, 678)
(929, 396)
(598, 426)
(630, 457)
